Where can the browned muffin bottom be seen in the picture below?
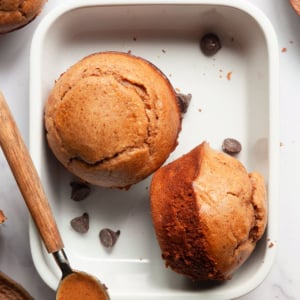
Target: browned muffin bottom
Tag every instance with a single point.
(18, 13)
(208, 213)
(112, 119)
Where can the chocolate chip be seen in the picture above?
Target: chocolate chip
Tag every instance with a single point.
(108, 237)
(231, 146)
(210, 44)
(81, 224)
(183, 101)
(80, 190)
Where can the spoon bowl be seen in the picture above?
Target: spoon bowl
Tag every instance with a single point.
(77, 285)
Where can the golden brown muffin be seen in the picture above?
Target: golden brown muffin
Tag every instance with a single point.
(15, 14)
(112, 119)
(208, 213)
(11, 290)
(296, 5)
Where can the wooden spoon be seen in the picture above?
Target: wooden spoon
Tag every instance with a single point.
(74, 285)
(296, 5)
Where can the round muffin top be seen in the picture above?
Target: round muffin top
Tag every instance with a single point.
(112, 119)
(17, 13)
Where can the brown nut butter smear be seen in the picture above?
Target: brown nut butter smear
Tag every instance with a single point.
(79, 286)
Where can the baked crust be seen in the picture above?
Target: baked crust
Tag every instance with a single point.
(208, 213)
(15, 14)
(112, 119)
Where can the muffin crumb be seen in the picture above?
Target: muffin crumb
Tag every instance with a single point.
(3, 218)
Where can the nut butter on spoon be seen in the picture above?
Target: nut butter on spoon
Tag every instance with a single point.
(74, 285)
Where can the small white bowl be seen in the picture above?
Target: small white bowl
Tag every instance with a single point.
(234, 94)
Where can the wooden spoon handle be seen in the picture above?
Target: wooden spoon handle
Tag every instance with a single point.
(27, 179)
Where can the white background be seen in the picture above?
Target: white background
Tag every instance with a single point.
(284, 281)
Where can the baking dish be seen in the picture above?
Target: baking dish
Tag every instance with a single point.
(234, 94)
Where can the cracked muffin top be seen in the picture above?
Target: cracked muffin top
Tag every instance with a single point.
(112, 119)
(208, 213)
(18, 13)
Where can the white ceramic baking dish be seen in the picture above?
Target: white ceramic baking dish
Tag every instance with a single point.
(234, 94)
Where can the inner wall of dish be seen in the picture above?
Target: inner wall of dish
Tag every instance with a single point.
(230, 99)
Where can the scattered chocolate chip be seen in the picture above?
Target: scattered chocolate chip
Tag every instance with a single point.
(210, 44)
(231, 146)
(183, 101)
(80, 190)
(81, 224)
(271, 245)
(108, 237)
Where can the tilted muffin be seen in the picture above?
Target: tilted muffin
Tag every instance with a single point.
(112, 119)
(208, 213)
(15, 14)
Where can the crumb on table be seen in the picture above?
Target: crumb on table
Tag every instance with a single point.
(229, 75)
(2, 217)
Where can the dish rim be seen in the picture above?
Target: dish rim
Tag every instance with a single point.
(273, 73)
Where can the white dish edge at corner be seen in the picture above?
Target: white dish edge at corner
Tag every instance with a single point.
(35, 92)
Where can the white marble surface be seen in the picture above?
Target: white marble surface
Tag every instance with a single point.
(283, 281)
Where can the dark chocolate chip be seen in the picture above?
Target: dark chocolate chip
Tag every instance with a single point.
(80, 190)
(231, 146)
(81, 224)
(108, 237)
(210, 44)
(183, 101)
